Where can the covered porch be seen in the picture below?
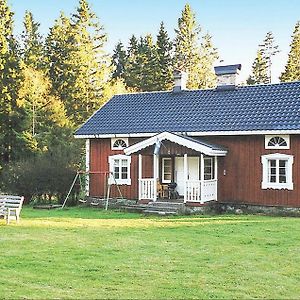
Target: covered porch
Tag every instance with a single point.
(172, 165)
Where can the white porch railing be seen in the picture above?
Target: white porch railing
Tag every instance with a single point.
(201, 191)
(146, 189)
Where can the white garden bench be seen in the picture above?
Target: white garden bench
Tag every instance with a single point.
(10, 207)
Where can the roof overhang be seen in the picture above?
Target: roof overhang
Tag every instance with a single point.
(206, 148)
(192, 133)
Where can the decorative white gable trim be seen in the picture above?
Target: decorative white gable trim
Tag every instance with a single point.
(279, 141)
(119, 143)
(181, 140)
(266, 181)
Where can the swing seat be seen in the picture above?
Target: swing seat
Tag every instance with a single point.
(82, 200)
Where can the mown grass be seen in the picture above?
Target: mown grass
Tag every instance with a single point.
(88, 253)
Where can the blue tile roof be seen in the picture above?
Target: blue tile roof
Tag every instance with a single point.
(247, 108)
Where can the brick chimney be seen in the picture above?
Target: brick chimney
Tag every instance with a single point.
(227, 76)
(180, 80)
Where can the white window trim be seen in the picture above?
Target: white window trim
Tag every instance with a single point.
(289, 171)
(285, 137)
(113, 140)
(111, 160)
(212, 174)
(163, 180)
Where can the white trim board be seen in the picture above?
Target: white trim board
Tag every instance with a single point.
(192, 133)
(175, 139)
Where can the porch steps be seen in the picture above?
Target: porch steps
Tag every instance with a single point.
(164, 208)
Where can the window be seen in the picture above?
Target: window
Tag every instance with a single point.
(119, 144)
(166, 170)
(277, 171)
(208, 168)
(119, 166)
(277, 142)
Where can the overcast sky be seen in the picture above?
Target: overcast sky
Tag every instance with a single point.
(237, 26)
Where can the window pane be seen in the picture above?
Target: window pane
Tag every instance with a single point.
(208, 169)
(124, 173)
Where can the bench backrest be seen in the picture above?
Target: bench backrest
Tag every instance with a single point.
(8, 201)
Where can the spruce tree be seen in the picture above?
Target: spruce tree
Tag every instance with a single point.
(33, 49)
(292, 68)
(79, 67)
(269, 49)
(259, 70)
(187, 56)
(206, 77)
(165, 61)
(119, 60)
(11, 115)
(262, 65)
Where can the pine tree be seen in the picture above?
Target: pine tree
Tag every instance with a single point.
(119, 60)
(187, 56)
(292, 68)
(165, 60)
(259, 70)
(11, 115)
(33, 49)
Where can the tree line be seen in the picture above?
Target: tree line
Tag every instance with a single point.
(49, 85)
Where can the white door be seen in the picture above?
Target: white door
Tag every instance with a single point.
(193, 172)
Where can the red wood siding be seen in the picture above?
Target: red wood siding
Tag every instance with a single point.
(241, 184)
(243, 167)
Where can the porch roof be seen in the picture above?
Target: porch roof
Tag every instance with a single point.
(183, 140)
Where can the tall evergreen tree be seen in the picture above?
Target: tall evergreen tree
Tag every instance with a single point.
(269, 49)
(259, 70)
(187, 38)
(79, 67)
(206, 77)
(262, 65)
(119, 60)
(292, 68)
(11, 115)
(165, 60)
(33, 49)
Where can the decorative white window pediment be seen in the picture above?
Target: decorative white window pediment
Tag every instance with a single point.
(119, 143)
(119, 167)
(277, 142)
(277, 171)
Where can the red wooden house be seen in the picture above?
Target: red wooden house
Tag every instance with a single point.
(232, 144)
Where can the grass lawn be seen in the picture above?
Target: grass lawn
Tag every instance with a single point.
(88, 253)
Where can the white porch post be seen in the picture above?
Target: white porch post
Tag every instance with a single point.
(87, 167)
(185, 175)
(201, 178)
(155, 176)
(216, 176)
(140, 175)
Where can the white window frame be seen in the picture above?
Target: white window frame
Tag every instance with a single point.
(212, 166)
(163, 180)
(289, 171)
(120, 157)
(269, 137)
(113, 140)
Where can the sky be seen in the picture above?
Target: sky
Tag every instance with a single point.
(237, 26)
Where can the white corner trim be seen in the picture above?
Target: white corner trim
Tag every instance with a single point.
(175, 139)
(87, 167)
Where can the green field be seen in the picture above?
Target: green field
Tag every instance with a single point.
(88, 253)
